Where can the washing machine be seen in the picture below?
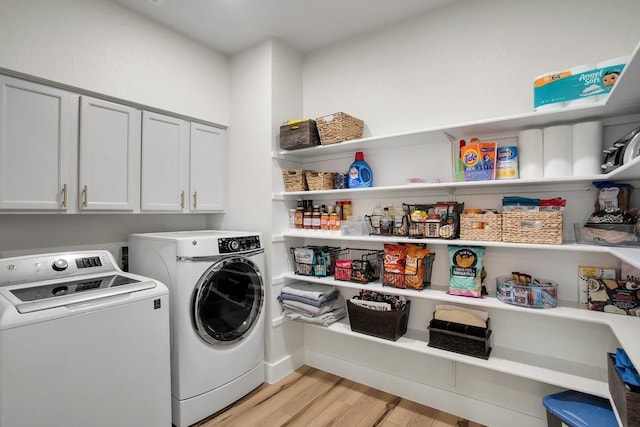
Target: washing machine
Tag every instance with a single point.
(216, 288)
(82, 343)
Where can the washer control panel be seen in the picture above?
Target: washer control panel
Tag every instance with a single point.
(53, 266)
(230, 245)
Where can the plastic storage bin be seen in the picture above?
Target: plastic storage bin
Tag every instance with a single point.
(577, 409)
(540, 293)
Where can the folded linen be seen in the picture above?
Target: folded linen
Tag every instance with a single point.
(317, 303)
(313, 310)
(324, 319)
(309, 290)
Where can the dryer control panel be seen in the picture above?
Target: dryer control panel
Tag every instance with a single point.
(229, 245)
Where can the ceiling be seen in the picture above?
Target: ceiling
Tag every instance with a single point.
(231, 26)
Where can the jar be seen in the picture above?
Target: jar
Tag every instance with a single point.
(306, 222)
(346, 209)
(299, 219)
(324, 221)
(334, 222)
(315, 218)
(339, 208)
(292, 219)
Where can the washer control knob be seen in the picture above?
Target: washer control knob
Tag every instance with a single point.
(233, 245)
(60, 264)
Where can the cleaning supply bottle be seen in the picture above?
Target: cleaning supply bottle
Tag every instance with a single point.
(360, 175)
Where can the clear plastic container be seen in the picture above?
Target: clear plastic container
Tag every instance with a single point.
(540, 293)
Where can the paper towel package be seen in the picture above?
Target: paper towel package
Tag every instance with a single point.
(570, 85)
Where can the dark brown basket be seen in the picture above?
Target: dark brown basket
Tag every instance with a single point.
(299, 135)
(460, 338)
(389, 325)
(626, 400)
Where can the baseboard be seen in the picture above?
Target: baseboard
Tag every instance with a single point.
(444, 400)
(275, 371)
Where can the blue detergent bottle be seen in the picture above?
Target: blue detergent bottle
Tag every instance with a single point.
(360, 175)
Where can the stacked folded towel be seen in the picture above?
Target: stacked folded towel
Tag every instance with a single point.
(312, 302)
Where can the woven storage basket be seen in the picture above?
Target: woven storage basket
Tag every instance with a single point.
(320, 180)
(486, 226)
(295, 180)
(338, 127)
(532, 227)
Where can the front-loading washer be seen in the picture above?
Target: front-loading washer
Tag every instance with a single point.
(217, 314)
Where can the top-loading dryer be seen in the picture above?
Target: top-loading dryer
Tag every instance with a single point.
(217, 315)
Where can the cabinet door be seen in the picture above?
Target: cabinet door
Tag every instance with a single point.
(164, 171)
(207, 178)
(109, 155)
(34, 146)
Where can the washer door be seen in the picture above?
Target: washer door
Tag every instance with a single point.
(227, 300)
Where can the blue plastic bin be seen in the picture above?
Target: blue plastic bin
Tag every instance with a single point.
(577, 409)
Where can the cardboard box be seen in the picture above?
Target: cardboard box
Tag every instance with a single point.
(614, 296)
(479, 161)
(567, 86)
(590, 272)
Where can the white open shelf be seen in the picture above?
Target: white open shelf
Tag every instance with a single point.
(568, 374)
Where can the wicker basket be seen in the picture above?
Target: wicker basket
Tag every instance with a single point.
(389, 325)
(486, 226)
(320, 180)
(532, 227)
(338, 127)
(295, 180)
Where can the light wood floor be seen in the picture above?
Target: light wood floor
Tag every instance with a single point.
(310, 397)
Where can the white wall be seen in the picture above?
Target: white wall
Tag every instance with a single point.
(473, 59)
(97, 45)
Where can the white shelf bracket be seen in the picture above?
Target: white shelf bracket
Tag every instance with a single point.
(452, 373)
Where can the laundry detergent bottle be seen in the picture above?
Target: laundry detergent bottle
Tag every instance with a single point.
(360, 175)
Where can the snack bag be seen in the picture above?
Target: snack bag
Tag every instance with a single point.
(394, 261)
(414, 266)
(465, 268)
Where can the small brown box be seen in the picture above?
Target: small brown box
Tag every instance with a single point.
(460, 338)
(297, 135)
(627, 402)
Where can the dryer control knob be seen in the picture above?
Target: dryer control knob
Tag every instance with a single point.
(233, 245)
(60, 264)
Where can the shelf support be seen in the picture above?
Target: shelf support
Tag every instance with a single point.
(452, 373)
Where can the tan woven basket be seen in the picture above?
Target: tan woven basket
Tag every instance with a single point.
(486, 226)
(295, 180)
(532, 227)
(338, 127)
(320, 180)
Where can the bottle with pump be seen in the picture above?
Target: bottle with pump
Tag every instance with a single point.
(360, 175)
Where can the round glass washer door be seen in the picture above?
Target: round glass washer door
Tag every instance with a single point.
(227, 300)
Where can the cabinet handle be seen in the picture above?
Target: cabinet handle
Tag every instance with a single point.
(85, 196)
(182, 200)
(64, 196)
(195, 199)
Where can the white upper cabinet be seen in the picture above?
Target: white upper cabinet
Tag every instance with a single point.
(109, 156)
(34, 146)
(207, 177)
(165, 163)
